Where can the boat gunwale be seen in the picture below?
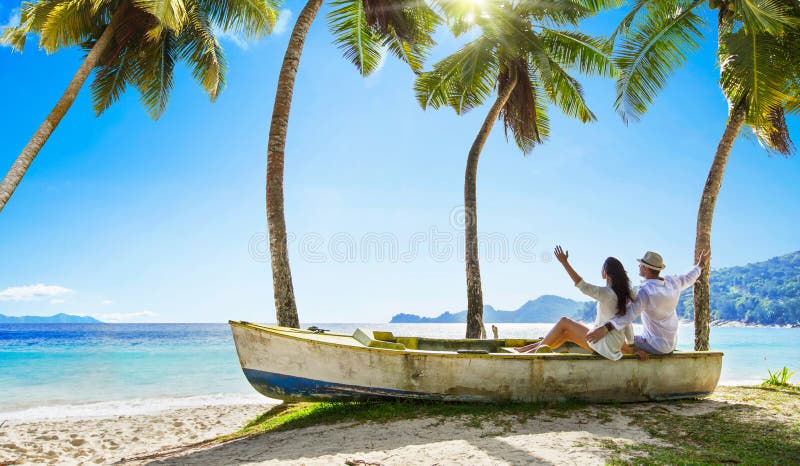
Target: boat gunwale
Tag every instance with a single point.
(270, 329)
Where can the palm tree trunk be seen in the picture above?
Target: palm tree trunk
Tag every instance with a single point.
(705, 216)
(285, 306)
(42, 134)
(474, 289)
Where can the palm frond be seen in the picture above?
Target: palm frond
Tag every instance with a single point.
(360, 43)
(409, 35)
(460, 15)
(112, 79)
(198, 47)
(755, 71)
(519, 112)
(650, 53)
(170, 15)
(764, 15)
(69, 23)
(462, 80)
(568, 95)
(552, 12)
(414, 55)
(251, 18)
(775, 136)
(590, 55)
(154, 74)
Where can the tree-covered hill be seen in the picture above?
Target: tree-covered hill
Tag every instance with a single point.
(766, 293)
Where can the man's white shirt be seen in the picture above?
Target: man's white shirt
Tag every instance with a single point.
(656, 301)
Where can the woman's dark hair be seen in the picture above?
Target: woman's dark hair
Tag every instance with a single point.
(620, 283)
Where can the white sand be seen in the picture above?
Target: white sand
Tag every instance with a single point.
(555, 440)
(105, 441)
(171, 437)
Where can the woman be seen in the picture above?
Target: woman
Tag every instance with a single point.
(612, 300)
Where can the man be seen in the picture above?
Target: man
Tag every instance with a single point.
(655, 302)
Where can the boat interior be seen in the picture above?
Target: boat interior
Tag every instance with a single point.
(387, 340)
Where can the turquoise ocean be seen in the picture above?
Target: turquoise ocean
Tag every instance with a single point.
(60, 371)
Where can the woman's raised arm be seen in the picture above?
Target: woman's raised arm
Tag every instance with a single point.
(563, 257)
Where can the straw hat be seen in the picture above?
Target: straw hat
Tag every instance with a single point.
(652, 260)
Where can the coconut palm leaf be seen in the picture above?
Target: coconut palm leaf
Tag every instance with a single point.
(170, 14)
(251, 18)
(460, 15)
(154, 73)
(409, 35)
(754, 70)
(463, 80)
(764, 15)
(568, 95)
(360, 43)
(553, 12)
(590, 55)
(33, 15)
(519, 112)
(650, 52)
(112, 80)
(775, 136)
(199, 47)
(68, 23)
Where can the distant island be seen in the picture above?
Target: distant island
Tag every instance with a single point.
(547, 308)
(762, 293)
(54, 319)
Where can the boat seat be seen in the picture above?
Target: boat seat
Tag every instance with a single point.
(373, 339)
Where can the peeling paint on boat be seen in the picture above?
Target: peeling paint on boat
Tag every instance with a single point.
(294, 364)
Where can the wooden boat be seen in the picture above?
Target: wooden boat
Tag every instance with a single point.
(293, 364)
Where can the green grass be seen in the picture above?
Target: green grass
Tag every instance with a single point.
(778, 378)
(732, 434)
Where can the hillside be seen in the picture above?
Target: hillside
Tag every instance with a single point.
(54, 319)
(547, 308)
(766, 293)
(762, 293)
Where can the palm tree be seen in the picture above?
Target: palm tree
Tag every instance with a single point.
(364, 30)
(758, 52)
(131, 42)
(524, 52)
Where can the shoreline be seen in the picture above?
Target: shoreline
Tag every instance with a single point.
(470, 434)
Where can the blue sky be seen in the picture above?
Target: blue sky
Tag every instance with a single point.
(133, 220)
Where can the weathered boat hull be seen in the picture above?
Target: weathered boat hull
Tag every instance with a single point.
(293, 364)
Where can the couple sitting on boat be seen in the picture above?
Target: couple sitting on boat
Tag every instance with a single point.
(617, 308)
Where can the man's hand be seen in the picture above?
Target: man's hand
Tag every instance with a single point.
(643, 356)
(701, 259)
(561, 255)
(596, 335)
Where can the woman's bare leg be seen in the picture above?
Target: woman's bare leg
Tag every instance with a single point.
(565, 330)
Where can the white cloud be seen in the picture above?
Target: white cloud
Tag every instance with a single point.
(36, 292)
(107, 302)
(118, 318)
(240, 41)
(281, 26)
(56, 301)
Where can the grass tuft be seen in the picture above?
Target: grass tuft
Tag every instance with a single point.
(778, 378)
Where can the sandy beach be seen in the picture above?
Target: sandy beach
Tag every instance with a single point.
(112, 439)
(585, 435)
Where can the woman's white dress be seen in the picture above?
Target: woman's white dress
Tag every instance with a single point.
(608, 346)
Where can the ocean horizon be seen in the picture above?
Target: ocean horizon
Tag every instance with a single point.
(72, 371)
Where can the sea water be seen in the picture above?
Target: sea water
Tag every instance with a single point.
(58, 371)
